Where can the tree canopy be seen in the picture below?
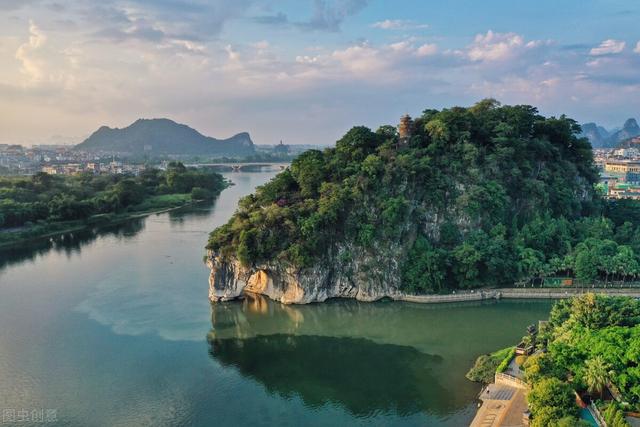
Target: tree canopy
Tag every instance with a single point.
(486, 195)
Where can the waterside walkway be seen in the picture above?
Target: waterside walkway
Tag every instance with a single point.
(518, 293)
(503, 403)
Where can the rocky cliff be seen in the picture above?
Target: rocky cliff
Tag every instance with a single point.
(365, 277)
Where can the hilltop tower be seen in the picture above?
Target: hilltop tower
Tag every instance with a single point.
(404, 129)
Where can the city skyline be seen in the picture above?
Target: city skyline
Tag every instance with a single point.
(305, 72)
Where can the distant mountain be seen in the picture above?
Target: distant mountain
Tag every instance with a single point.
(601, 138)
(594, 133)
(628, 131)
(162, 137)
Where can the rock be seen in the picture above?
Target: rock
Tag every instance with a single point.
(366, 277)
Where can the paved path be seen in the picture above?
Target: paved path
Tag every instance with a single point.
(502, 406)
(514, 370)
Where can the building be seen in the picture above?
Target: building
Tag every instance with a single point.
(609, 180)
(621, 166)
(627, 152)
(404, 128)
(632, 178)
(624, 191)
(51, 170)
(281, 149)
(93, 167)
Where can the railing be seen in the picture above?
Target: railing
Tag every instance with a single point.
(510, 378)
(597, 415)
(460, 296)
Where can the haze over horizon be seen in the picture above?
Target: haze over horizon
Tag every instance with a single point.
(306, 71)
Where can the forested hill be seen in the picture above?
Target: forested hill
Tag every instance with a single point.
(485, 195)
(164, 136)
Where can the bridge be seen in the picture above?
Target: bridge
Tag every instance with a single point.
(237, 167)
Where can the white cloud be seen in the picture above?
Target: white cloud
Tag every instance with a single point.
(608, 47)
(494, 46)
(398, 24)
(637, 49)
(427, 49)
(31, 67)
(232, 54)
(361, 59)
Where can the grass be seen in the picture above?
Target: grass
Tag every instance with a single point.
(483, 371)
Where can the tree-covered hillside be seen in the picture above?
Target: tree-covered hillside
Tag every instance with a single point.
(485, 195)
(44, 204)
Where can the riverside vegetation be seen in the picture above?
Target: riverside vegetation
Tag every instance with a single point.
(481, 196)
(49, 204)
(591, 344)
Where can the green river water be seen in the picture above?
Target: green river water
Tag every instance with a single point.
(113, 328)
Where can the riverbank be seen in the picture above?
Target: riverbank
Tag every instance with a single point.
(158, 205)
(517, 293)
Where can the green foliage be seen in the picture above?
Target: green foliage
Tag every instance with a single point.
(504, 364)
(425, 267)
(595, 340)
(480, 196)
(47, 199)
(199, 193)
(308, 172)
(551, 400)
(614, 416)
(485, 366)
(596, 375)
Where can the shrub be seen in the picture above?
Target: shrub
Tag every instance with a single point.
(521, 359)
(505, 362)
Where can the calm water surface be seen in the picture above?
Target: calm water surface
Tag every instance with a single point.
(113, 328)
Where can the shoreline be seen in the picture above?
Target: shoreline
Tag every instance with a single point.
(517, 293)
(85, 225)
(468, 296)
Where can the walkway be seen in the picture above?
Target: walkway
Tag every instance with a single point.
(501, 406)
(514, 370)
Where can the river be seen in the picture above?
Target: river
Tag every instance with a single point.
(113, 328)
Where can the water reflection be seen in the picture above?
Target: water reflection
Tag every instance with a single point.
(68, 244)
(72, 243)
(355, 373)
(370, 358)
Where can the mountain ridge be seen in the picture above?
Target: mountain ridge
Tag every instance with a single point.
(599, 137)
(162, 136)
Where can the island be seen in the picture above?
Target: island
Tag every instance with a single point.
(453, 200)
(44, 205)
(578, 368)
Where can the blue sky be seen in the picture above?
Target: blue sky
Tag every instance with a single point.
(305, 71)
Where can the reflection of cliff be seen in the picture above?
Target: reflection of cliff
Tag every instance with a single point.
(69, 243)
(355, 373)
(386, 356)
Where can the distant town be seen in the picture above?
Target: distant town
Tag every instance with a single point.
(57, 159)
(619, 171)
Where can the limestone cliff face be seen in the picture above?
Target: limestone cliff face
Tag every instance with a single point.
(347, 273)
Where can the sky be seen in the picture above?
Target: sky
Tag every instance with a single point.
(305, 71)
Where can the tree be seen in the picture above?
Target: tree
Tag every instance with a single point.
(531, 263)
(596, 375)
(128, 192)
(553, 399)
(586, 263)
(308, 171)
(425, 267)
